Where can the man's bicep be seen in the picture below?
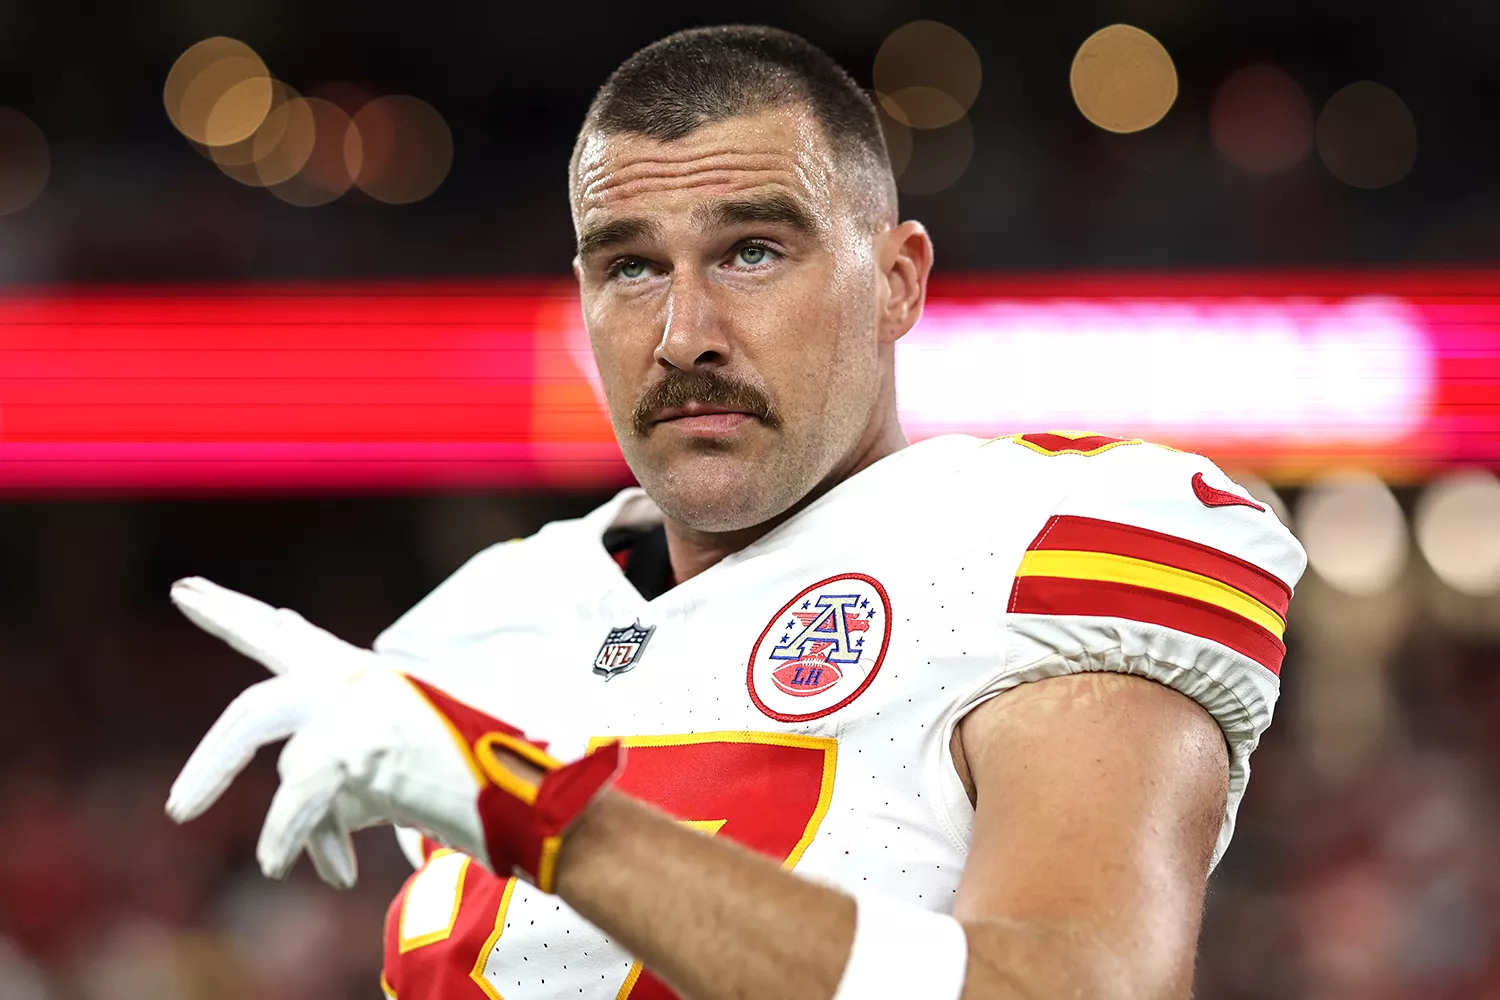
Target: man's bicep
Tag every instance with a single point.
(1100, 797)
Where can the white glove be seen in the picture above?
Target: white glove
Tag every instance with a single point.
(366, 747)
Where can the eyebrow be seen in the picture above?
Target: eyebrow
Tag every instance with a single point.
(776, 209)
(614, 233)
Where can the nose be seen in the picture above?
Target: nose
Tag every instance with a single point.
(693, 335)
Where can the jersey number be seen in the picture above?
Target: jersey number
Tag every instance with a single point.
(766, 791)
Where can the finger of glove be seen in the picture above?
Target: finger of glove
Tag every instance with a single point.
(263, 713)
(332, 853)
(311, 779)
(247, 625)
(278, 638)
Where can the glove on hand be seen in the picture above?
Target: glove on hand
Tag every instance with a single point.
(369, 744)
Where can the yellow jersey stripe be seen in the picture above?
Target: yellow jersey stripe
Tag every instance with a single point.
(1074, 565)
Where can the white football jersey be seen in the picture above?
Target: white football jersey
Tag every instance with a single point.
(799, 696)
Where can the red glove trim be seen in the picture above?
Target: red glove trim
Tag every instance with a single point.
(523, 823)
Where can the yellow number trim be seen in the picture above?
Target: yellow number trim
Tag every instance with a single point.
(385, 987)
(629, 984)
(546, 865)
(405, 944)
(1110, 568)
(477, 973)
(708, 826)
(827, 744)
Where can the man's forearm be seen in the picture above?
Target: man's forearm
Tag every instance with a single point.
(718, 922)
(714, 920)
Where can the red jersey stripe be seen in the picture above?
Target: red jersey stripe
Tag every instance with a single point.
(1088, 534)
(1048, 595)
(1053, 443)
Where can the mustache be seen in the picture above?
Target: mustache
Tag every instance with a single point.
(679, 388)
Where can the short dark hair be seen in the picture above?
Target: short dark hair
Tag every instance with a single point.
(696, 77)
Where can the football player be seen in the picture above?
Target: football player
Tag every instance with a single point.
(812, 713)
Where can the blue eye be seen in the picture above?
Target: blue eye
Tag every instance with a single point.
(752, 255)
(631, 268)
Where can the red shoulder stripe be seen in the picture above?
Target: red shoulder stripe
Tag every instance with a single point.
(1046, 595)
(1087, 534)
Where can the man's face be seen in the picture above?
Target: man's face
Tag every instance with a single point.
(732, 294)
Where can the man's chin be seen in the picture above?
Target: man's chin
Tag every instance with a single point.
(717, 490)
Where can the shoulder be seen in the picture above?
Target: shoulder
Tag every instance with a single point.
(499, 587)
(1093, 485)
(1143, 560)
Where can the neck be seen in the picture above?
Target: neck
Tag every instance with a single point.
(694, 551)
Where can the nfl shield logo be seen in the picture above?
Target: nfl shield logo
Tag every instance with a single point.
(622, 649)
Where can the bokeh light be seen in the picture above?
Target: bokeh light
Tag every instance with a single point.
(1264, 492)
(1123, 79)
(927, 74)
(218, 92)
(25, 161)
(283, 145)
(1161, 146)
(325, 174)
(938, 158)
(1457, 523)
(349, 96)
(399, 149)
(1261, 120)
(241, 160)
(922, 107)
(1366, 136)
(1354, 532)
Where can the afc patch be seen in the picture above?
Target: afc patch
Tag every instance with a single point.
(622, 649)
(822, 649)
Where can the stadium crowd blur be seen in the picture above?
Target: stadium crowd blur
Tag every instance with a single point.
(1367, 859)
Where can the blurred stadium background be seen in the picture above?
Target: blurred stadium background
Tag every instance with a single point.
(287, 306)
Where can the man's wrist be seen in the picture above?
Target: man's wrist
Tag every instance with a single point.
(609, 810)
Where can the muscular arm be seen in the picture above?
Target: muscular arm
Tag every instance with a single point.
(1099, 798)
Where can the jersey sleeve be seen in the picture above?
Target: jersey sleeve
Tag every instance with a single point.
(1155, 563)
(457, 609)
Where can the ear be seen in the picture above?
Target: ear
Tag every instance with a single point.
(578, 270)
(905, 256)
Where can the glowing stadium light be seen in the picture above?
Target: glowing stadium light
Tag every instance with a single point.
(283, 145)
(1264, 492)
(325, 174)
(1261, 120)
(938, 158)
(927, 75)
(399, 150)
(218, 92)
(25, 161)
(1354, 533)
(1359, 369)
(242, 160)
(1366, 136)
(1458, 530)
(1123, 80)
(922, 107)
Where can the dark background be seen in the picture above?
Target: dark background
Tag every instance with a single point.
(128, 200)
